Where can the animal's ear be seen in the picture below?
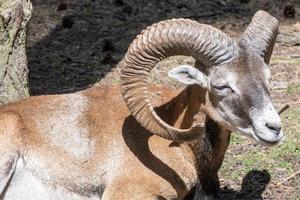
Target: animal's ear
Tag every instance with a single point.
(188, 75)
(261, 34)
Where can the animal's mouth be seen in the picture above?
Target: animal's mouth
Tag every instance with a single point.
(256, 135)
(263, 136)
(268, 142)
(277, 139)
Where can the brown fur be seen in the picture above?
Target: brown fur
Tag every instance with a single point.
(144, 166)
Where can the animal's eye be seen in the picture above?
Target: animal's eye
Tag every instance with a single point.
(223, 89)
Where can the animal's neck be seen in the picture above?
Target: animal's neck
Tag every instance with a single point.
(216, 137)
(183, 110)
(209, 150)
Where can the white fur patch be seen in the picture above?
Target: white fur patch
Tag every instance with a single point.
(232, 81)
(267, 74)
(63, 126)
(23, 182)
(188, 75)
(114, 159)
(24, 185)
(6, 171)
(260, 118)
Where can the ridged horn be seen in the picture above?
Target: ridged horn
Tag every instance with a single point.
(157, 42)
(261, 34)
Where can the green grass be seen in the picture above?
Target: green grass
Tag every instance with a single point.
(242, 158)
(292, 88)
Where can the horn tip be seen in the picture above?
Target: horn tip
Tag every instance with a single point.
(261, 15)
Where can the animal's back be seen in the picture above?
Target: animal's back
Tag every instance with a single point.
(62, 144)
(73, 146)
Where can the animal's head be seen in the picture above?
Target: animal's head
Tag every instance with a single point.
(234, 72)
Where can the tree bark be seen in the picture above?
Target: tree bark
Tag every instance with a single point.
(14, 17)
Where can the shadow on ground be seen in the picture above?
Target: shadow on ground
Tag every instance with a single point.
(72, 44)
(253, 185)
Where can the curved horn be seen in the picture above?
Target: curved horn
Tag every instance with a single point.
(261, 34)
(155, 43)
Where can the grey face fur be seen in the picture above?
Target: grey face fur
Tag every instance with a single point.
(239, 94)
(242, 97)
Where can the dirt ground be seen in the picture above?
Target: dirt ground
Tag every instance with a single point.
(73, 44)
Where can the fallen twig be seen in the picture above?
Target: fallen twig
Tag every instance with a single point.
(288, 178)
(284, 108)
(279, 74)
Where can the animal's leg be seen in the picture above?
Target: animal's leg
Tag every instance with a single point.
(200, 194)
(211, 158)
(8, 163)
(126, 189)
(209, 187)
(120, 195)
(9, 148)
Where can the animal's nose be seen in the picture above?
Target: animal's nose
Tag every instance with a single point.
(276, 128)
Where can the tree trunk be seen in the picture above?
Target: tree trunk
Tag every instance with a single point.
(14, 17)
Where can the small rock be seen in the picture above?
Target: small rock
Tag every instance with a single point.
(107, 46)
(289, 11)
(244, 1)
(118, 2)
(182, 6)
(223, 3)
(67, 22)
(68, 60)
(62, 6)
(127, 9)
(296, 27)
(93, 54)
